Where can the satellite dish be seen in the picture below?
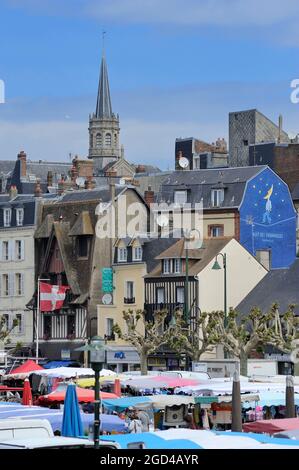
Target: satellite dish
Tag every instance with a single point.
(162, 220)
(107, 299)
(80, 181)
(183, 162)
(122, 181)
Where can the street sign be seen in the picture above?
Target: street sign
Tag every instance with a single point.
(107, 280)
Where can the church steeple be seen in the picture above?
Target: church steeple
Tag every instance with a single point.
(104, 108)
(104, 146)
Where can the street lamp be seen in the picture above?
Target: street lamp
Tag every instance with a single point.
(216, 266)
(190, 237)
(97, 358)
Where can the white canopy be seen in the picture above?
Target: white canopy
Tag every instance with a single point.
(66, 372)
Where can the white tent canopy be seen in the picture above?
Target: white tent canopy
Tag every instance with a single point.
(71, 372)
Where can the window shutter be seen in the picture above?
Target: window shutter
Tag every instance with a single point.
(22, 283)
(11, 284)
(10, 250)
(22, 250)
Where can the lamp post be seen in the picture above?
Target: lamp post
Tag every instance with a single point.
(216, 266)
(97, 358)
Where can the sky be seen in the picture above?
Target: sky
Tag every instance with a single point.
(176, 69)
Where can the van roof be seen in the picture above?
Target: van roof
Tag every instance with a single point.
(36, 443)
(19, 423)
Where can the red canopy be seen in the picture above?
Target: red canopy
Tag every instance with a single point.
(271, 426)
(28, 366)
(84, 396)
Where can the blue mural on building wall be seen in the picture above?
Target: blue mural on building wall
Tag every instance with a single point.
(268, 219)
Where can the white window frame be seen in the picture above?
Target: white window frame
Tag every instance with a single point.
(158, 291)
(180, 289)
(19, 284)
(20, 327)
(137, 253)
(5, 285)
(217, 195)
(130, 295)
(109, 326)
(5, 243)
(19, 216)
(167, 266)
(180, 197)
(122, 255)
(217, 229)
(177, 265)
(19, 250)
(6, 217)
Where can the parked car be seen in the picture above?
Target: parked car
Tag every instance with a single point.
(24, 428)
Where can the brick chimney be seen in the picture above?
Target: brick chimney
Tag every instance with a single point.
(84, 168)
(50, 178)
(89, 183)
(38, 190)
(140, 169)
(149, 196)
(22, 157)
(13, 192)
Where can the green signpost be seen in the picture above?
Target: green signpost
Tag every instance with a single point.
(107, 280)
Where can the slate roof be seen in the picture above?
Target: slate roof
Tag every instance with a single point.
(295, 193)
(6, 166)
(199, 184)
(279, 285)
(104, 108)
(199, 258)
(98, 194)
(83, 225)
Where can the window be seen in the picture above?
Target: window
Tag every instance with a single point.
(19, 246)
(5, 251)
(122, 255)
(7, 217)
(167, 266)
(19, 327)
(108, 140)
(160, 295)
(217, 197)
(47, 326)
(98, 140)
(5, 285)
(177, 265)
(264, 257)
(180, 295)
(216, 231)
(71, 328)
(129, 294)
(19, 284)
(6, 324)
(180, 197)
(109, 329)
(83, 246)
(137, 253)
(245, 142)
(19, 217)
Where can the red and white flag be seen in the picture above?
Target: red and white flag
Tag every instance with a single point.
(51, 297)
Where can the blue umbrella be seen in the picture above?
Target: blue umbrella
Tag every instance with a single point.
(71, 422)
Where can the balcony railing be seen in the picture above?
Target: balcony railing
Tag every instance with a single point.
(130, 300)
(151, 309)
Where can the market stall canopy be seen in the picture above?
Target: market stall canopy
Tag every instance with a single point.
(194, 439)
(85, 383)
(24, 370)
(84, 395)
(66, 372)
(157, 382)
(157, 402)
(224, 387)
(272, 426)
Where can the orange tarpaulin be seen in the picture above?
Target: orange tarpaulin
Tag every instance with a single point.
(84, 396)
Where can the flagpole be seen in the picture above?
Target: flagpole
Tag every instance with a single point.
(37, 316)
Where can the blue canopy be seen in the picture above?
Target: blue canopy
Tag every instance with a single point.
(120, 404)
(151, 441)
(71, 422)
(55, 364)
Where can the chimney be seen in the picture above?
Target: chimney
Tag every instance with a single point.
(279, 128)
(38, 190)
(13, 192)
(140, 169)
(149, 196)
(22, 158)
(50, 178)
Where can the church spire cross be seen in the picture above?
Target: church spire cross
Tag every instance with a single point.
(104, 108)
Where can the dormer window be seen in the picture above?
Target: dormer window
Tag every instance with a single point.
(20, 216)
(137, 253)
(122, 255)
(167, 266)
(180, 197)
(177, 264)
(7, 217)
(217, 196)
(172, 266)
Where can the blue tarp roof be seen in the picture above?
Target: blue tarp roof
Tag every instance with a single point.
(124, 402)
(54, 364)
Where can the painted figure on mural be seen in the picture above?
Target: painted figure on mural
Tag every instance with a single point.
(267, 213)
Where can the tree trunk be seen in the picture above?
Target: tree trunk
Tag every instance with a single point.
(143, 363)
(243, 363)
